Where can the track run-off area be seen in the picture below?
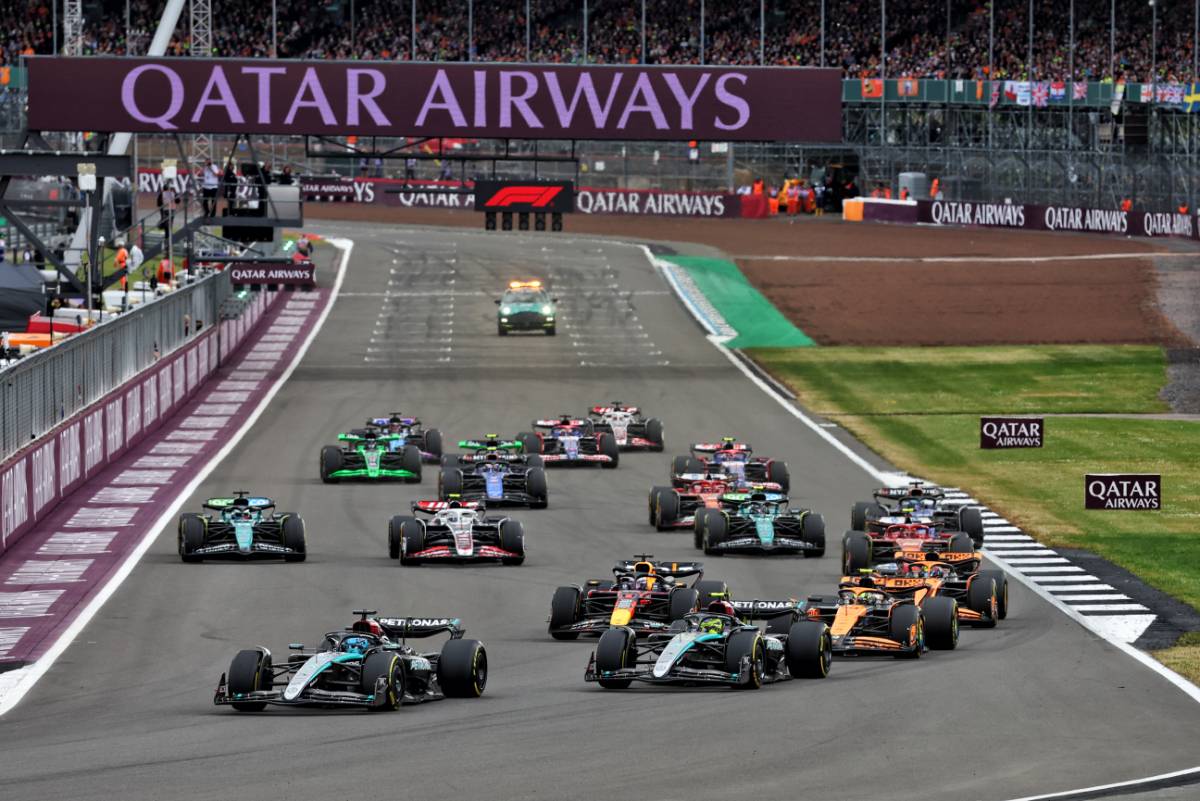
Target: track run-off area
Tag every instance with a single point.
(1037, 705)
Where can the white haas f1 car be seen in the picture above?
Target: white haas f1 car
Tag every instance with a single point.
(631, 430)
(735, 460)
(455, 531)
(571, 441)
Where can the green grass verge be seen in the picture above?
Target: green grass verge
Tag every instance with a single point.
(920, 409)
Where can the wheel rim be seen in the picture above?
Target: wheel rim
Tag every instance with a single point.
(479, 671)
(826, 653)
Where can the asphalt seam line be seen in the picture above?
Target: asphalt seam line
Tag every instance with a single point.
(24, 679)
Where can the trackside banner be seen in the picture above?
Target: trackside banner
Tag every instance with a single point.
(1057, 218)
(388, 98)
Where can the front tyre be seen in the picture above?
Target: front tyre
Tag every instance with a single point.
(606, 444)
(292, 533)
(812, 530)
(463, 669)
(412, 540)
(535, 488)
(410, 461)
(654, 433)
(746, 644)
(564, 613)
(616, 650)
(907, 628)
(386, 665)
(512, 539)
(941, 622)
(191, 536)
(331, 462)
(856, 552)
(250, 672)
(809, 650)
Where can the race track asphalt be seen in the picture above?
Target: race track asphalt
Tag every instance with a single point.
(1035, 706)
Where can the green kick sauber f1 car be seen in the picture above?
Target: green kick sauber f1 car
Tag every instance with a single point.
(369, 455)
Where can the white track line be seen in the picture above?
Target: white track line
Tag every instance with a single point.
(19, 682)
(1119, 785)
(968, 259)
(892, 479)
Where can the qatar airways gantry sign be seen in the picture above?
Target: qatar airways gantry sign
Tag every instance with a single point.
(434, 99)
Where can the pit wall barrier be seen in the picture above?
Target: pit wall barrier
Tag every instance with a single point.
(41, 475)
(1025, 216)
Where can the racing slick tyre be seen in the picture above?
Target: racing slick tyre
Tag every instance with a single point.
(617, 649)
(450, 482)
(463, 669)
(250, 671)
(809, 650)
(777, 472)
(512, 539)
(679, 465)
(535, 487)
(863, 511)
(396, 536)
(684, 601)
(700, 527)
(812, 529)
(983, 597)
(564, 612)
(331, 462)
(1001, 591)
(666, 511)
(710, 591)
(433, 443)
(856, 552)
(534, 460)
(412, 540)
(191, 536)
(449, 460)
(961, 543)
(941, 622)
(714, 533)
(386, 665)
(607, 445)
(410, 460)
(652, 503)
(654, 433)
(907, 628)
(746, 643)
(970, 520)
(291, 532)
(530, 442)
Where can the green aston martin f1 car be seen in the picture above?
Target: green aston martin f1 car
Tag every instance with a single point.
(368, 454)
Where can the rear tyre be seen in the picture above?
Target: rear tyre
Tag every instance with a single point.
(191, 536)
(534, 460)
(388, 667)
(530, 442)
(616, 650)
(715, 528)
(906, 628)
(249, 672)
(777, 472)
(700, 527)
(982, 597)
(450, 482)
(512, 539)
(463, 669)
(331, 462)
(746, 643)
(809, 650)
(412, 540)
(861, 512)
(812, 529)
(684, 601)
(856, 552)
(941, 622)
(292, 534)
(395, 538)
(961, 543)
(970, 520)
(654, 433)
(1001, 590)
(410, 460)
(564, 612)
(667, 511)
(535, 486)
(433, 443)
(607, 445)
(679, 465)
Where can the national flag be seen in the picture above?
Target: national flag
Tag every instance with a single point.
(1024, 93)
(995, 94)
(1147, 93)
(1010, 91)
(908, 87)
(872, 88)
(1118, 95)
(1169, 94)
(1080, 92)
(1040, 93)
(960, 86)
(1191, 101)
(1058, 91)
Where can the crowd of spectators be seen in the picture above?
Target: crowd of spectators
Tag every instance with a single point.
(923, 40)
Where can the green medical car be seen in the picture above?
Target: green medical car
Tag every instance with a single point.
(526, 307)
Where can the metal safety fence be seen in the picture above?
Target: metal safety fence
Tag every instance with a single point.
(45, 388)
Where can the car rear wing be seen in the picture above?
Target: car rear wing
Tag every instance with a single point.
(616, 406)
(415, 627)
(760, 610)
(559, 422)
(724, 445)
(672, 569)
(911, 491)
(221, 504)
(488, 443)
(382, 436)
(387, 421)
(959, 560)
(433, 507)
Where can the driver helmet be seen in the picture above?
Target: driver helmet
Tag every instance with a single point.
(712, 625)
(642, 583)
(356, 645)
(722, 607)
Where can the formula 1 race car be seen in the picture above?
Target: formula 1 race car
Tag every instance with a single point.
(976, 594)
(917, 503)
(526, 306)
(734, 459)
(865, 621)
(456, 531)
(243, 527)
(644, 596)
(880, 543)
(367, 665)
(409, 431)
(496, 472)
(569, 441)
(761, 523)
(676, 506)
(631, 430)
(716, 646)
(369, 454)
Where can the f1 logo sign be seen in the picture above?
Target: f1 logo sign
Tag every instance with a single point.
(536, 196)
